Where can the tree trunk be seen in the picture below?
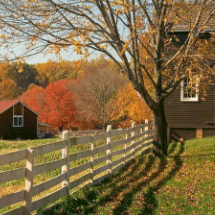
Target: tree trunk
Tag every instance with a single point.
(160, 131)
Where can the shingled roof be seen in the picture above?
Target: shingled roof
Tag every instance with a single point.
(183, 16)
(5, 105)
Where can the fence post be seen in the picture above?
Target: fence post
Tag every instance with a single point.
(132, 142)
(109, 150)
(29, 176)
(125, 147)
(92, 160)
(65, 154)
(141, 132)
(146, 129)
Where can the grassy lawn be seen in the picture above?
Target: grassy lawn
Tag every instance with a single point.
(184, 183)
(9, 187)
(7, 146)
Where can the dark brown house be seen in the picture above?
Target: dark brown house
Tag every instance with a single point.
(190, 114)
(17, 121)
(190, 117)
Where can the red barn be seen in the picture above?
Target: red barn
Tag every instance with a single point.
(17, 121)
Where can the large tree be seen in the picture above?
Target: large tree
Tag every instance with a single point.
(99, 83)
(114, 28)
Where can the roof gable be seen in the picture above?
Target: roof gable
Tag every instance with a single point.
(5, 105)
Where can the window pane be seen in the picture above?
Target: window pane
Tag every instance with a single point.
(20, 121)
(15, 121)
(189, 89)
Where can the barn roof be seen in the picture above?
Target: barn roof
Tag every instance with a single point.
(185, 15)
(5, 105)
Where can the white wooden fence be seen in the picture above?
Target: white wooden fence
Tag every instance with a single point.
(103, 160)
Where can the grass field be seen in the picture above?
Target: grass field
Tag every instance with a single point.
(7, 146)
(17, 185)
(184, 183)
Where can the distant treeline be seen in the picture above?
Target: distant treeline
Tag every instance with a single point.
(79, 94)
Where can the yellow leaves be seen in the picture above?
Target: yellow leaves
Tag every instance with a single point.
(129, 104)
(56, 49)
(20, 70)
(78, 50)
(165, 20)
(119, 11)
(2, 36)
(8, 89)
(125, 46)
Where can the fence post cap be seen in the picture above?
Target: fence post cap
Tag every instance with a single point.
(65, 134)
(109, 128)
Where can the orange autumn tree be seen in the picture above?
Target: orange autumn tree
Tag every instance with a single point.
(60, 111)
(128, 105)
(34, 97)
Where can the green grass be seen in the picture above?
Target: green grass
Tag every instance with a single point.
(184, 183)
(7, 146)
(16, 185)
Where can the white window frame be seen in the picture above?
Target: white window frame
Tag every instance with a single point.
(189, 99)
(18, 116)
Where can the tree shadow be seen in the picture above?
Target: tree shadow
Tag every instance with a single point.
(128, 182)
(151, 202)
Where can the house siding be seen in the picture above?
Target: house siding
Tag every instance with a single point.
(28, 131)
(183, 118)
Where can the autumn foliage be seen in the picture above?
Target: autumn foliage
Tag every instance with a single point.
(54, 104)
(96, 96)
(128, 106)
(60, 111)
(34, 98)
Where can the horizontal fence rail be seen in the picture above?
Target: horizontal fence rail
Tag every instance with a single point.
(82, 160)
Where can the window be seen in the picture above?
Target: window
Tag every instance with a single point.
(18, 110)
(17, 121)
(189, 90)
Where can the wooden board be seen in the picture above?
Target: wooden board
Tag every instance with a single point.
(48, 184)
(117, 168)
(100, 160)
(18, 211)
(101, 178)
(80, 155)
(120, 160)
(119, 132)
(100, 149)
(101, 169)
(79, 181)
(118, 143)
(79, 168)
(49, 147)
(48, 199)
(12, 157)
(98, 137)
(48, 166)
(12, 198)
(118, 152)
(12, 175)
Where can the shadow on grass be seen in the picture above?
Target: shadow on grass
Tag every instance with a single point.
(120, 190)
